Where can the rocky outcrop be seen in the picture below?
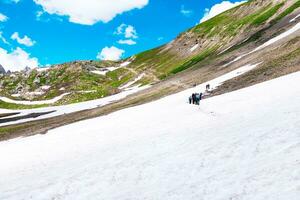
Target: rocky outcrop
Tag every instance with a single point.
(2, 70)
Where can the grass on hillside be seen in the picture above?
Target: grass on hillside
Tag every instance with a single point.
(266, 15)
(287, 11)
(196, 59)
(14, 106)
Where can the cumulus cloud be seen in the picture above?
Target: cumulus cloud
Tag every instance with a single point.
(110, 53)
(17, 60)
(130, 32)
(128, 42)
(3, 18)
(127, 30)
(25, 40)
(185, 12)
(89, 12)
(218, 9)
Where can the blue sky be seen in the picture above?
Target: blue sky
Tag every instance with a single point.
(58, 32)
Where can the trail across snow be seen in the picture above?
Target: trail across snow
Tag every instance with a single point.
(242, 145)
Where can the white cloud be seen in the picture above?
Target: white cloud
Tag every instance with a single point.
(25, 40)
(218, 9)
(185, 11)
(2, 38)
(130, 32)
(127, 30)
(120, 29)
(89, 12)
(3, 18)
(17, 60)
(39, 14)
(128, 42)
(110, 53)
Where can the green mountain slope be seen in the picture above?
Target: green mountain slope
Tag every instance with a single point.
(196, 48)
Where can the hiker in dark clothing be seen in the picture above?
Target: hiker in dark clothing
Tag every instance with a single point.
(197, 97)
(193, 98)
(200, 97)
(207, 87)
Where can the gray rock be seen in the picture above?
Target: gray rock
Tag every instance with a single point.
(37, 80)
(2, 70)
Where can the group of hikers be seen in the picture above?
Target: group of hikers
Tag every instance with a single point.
(197, 97)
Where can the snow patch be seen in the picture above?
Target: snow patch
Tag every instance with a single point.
(50, 101)
(194, 47)
(41, 69)
(103, 72)
(16, 95)
(87, 91)
(46, 87)
(236, 59)
(295, 18)
(124, 64)
(132, 82)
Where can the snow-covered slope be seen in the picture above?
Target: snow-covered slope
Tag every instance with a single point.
(241, 145)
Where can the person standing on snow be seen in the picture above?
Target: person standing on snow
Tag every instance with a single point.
(207, 87)
(193, 98)
(197, 96)
(190, 99)
(200, 97)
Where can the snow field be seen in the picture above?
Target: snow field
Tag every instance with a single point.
(240, 145)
